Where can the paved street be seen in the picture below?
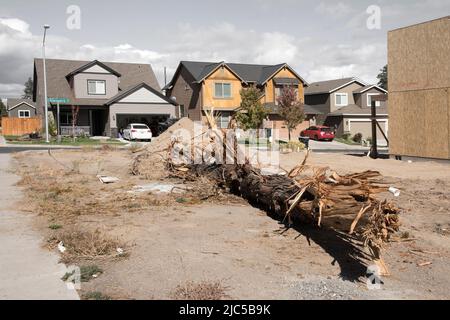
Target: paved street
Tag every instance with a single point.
(27, 271)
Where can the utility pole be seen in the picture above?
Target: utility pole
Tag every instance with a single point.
(47, 138)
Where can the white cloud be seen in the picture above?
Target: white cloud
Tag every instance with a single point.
(311, 58)
(334, 9)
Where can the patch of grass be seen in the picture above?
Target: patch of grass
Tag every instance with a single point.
(95, 295)
(347, 141)
(55, 226)
(86, 245)
(182, 200)
(65, 141)
(89, 272)
(204, 290)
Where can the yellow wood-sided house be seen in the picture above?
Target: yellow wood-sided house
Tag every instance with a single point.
(200, 86)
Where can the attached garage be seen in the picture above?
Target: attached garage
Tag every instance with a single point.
(141, 104)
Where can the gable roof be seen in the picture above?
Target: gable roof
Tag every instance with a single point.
(330, 86)
(367, 88)
(248, 73)
(353, 109)
(58, 85)
(91, 64)
(132, 90)
(14, 103)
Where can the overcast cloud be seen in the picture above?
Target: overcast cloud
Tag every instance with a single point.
(319, 39)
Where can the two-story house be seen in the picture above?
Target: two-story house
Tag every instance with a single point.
(200, 86)
(107, 95)
(346, 106)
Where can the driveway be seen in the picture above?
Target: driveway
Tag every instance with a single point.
(27, 271)
(337, 146)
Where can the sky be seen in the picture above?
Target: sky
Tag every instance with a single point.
(321, 40)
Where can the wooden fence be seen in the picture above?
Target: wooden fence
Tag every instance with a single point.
(20, 126)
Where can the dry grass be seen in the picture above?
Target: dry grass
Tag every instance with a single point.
(204, 290)
(85, 245)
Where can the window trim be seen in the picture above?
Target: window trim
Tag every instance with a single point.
(223, 96)
(369, 103)
(340, 94)
(24, 117)
(95, 94)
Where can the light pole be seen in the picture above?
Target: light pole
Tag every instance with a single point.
(45, 85)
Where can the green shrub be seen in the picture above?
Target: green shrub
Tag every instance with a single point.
(357, 138)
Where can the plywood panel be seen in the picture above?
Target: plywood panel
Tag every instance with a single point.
(419, 124)
(222, 75)
(436, 130)
(418, 56)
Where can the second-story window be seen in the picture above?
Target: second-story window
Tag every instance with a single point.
(96, 87)
(341, 99)
(222, 90)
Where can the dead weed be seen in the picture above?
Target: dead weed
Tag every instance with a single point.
(204, 290)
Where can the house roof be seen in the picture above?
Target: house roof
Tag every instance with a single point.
(126, 93)
(353, 109)
(250, 73)
(330, 86)
(367, 88)
(91, 64)
(58, 85)
(307, 109)
(14, 103)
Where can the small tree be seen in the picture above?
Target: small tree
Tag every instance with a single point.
(291, 109)
(251, 113)
(383, 78)
(28, 91)
(3, 111)
(75, 111)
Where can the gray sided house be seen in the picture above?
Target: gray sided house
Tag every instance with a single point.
(107, 95)
(346, 105)
(20, 108)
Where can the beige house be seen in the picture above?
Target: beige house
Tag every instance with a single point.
(345, 105)
(108, 95)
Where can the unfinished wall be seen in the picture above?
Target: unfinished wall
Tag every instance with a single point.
(419, 90)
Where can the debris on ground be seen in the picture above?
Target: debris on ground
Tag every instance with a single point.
(108, 180)
(159, 188)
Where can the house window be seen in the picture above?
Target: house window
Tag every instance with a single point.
(65, 118)
(222, 90)
(369, 100)
(96, 87)
(224, 119)
(341, 99)
(279, 91)
(24, 114)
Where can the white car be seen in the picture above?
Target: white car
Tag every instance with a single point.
(137, 131)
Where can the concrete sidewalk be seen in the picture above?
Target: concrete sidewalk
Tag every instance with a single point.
(27, 271)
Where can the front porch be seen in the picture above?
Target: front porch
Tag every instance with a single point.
(90, 121)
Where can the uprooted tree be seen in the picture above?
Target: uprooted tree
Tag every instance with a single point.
(304, 194)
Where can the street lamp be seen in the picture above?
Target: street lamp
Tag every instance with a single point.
(45, 85)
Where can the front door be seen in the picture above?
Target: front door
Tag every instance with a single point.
(98, 123)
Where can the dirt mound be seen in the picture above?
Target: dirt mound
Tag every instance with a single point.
(150, 162)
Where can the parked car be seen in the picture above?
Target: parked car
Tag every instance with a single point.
(137, 131)
(319, 133)
(163, 126)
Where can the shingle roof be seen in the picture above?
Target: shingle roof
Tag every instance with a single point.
(253, 73)
(357, 110)
(11, 103)
(365, 88)
(132, 74)
(307, 109)
(329, 85)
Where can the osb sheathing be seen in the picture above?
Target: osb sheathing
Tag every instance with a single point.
(419, 94)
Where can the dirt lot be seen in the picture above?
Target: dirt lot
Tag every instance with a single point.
(172, 242)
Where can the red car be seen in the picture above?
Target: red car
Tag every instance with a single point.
(319, 133)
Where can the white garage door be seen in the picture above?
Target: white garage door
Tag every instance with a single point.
(364, 126)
